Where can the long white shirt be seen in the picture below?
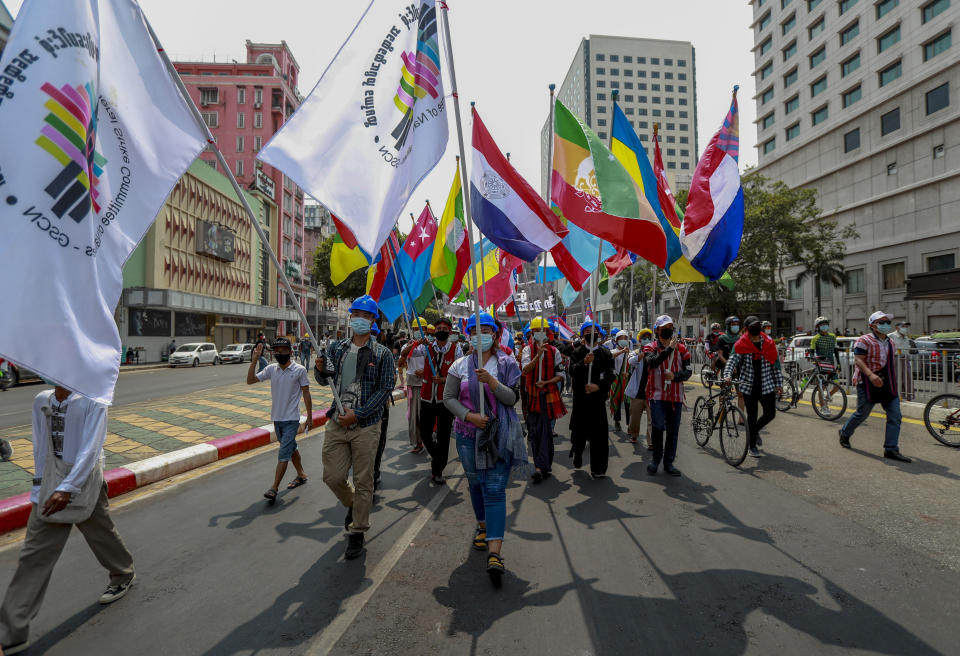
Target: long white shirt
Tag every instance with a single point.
(84, 433)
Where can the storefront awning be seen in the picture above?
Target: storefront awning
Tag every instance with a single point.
(934, 286)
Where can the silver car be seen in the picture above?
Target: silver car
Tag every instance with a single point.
(194, 355)
(236, 353)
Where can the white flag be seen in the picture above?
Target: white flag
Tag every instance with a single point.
(93, 136)
(374, 125)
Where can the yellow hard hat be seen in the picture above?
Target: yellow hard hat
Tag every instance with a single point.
(539, 322)
(418, 322)
(429, 328)
(644, 331)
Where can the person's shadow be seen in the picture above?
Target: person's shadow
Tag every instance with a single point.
(599, 504)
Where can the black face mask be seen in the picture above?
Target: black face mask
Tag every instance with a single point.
(754, 329)
(666, 333)
(442, 335)
(282, 358)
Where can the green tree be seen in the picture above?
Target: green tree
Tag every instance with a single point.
(642, 288)
(355, 284)
(823, 254)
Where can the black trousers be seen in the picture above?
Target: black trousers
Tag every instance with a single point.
(599, 439)
(438, 448)
(383, 437)
(625, 405)
(769, 404)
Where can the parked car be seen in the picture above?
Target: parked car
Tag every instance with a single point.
(236, 353)
(930, 351)
(799, 351)
(195, 354)
(16, 375)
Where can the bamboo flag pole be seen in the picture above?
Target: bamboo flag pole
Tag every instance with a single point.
(445, 23)
(264, 239)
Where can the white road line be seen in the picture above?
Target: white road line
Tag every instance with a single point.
(327, 640)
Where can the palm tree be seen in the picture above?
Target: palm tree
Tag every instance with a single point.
(823, 270)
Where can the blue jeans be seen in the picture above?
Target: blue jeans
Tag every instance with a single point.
(261, 363)
(891, 437)
(665, 417)
(488, 487)
(287, 437)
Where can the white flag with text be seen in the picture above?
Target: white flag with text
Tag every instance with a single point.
(93, 135)
(374, 125)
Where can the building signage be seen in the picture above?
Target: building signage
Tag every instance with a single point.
(216, 241)
(264, 183)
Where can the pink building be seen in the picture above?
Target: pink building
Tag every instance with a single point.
(244, 105)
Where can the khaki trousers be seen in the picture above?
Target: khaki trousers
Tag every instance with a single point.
(637, 408)
(41, 550)
(413, 414)
(345, 449)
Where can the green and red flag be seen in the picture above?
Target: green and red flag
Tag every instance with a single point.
(451, 251)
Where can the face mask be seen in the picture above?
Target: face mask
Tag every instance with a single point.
(623, 343)
(767, 331)
(540, 336)
(734, 329)
(282, 358)
(884, 327)
(454, 338)
(825, 328)
(717, 332)
(666, 333)
(443, 335)
(484, 344)
(902, 330)
(754, 330)
(360, 326)
(431, 338)
(645, 341)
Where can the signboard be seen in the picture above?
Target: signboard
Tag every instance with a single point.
(191, 324)
(264, 183)
(149, 323)
(216, 241)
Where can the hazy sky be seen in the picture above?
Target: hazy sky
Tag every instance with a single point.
(506, 53)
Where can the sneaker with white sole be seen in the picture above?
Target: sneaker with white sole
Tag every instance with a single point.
(9, 650)
(115, 592)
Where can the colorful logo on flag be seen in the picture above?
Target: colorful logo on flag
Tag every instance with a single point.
(69, 134)
(420, 74)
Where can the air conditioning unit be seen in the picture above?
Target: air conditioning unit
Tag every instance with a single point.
(257, 105)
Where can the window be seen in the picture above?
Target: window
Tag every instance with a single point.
(641, 86)
(239, 144)
(241, 95)
(820, 115)
(643, 125)
(890, 122)
(627, 59)
(671, 165)
(671, 126)
(239, 167)
(890, 73)
(852, 96)
(641, 60)
(682, 89)
(817, 58)
(614, 71)
(668, 62)
(933, 9)
(655, 61)
(681, 76)
(601, 70)
(211, 119)
(938, 98)
(602, 109)
(849, 66)
(848, 34)
(851, 140)
(614, 58)
(938, 45)
(683, 114)
(628, 85)
(654, 87)
(789, 24)
(790, 51)
(684, 153)
(855, 282)
(671, 139)
(669, 100)
(628, 98)
(601, 84)
(816, 29)
(941, 262)
(790, 78)
(765, 46)
(793, 131)
(601, 96)
(209, 96)
(629, 111)
(893, 275)
(614, 84)
(892, 168)
(600, 57)
(769, 145)
(668, 88)
(938, 152)
(785, 3)
(241, 119)
(602, 122)
(888, 39)
(642, 99)
(795, 289)
(258, 96)
(845, 5)
(767, 96)
(257, 143)
(258, 119)
(628, 72)
(641, 74)
(671, 152)
(885, 7)
(602, 135)
(768, 120)
(791, 105)
(818, 87)
(813, 4)
(655, 75)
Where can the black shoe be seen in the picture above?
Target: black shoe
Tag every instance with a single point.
(597, 477)
(617, 427)
(755, 452)
(844, 440)
(495, 569)
(348, 519)
(578, 460)
(436, 480)
(537, 477)
(896, 455)
(759, 441)
(673, 471)
(545, 475)
(17, 648)
(6, 451)
(354, 546)
(652, 469)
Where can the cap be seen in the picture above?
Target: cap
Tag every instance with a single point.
(902, 323)
(281, 341)
(662, 321)
(623, 333)
(749, 321)
(444, 320)
(878, 315)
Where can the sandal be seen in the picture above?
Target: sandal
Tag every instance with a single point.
(495, 569)
(270, 495)
(417, 449)
(480, 539)
(297, 482)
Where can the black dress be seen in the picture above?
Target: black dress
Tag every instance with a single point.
(588, 418)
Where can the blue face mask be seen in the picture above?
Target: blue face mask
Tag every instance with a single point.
(486, 341)
(734, 329)
(824, 327)
(360, 326)
(454, 337)
(884, 327)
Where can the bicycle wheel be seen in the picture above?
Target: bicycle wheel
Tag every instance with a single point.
(733, 441)
(707, 377)
(828, 406)
(702, 422)
(942, 419)
(785, 400)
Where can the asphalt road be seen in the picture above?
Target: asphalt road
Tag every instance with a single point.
(132, 387)
(790, 554)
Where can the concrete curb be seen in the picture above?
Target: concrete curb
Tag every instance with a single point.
(15, 511)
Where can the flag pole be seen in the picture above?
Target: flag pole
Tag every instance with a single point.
(445, 24)
(543, 283)
(264, 239)
(413, 305)
(433, 288)
(396, 279)
(653, 277)
(633, 310)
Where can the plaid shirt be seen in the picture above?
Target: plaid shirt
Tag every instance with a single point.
(825, 346)
(376, 380)
(876, 353)
(770, 376)
(677, 361)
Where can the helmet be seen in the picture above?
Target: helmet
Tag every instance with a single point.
(623, 333)
(731, 319)
(749, 321)
(539, 323)
(766, 324)
(306, 335)
(714, 326)
(365, 303)
(419, 322)
(485, 320)
(592, 324)
(430, 328)
(644, 331)
(444, 320)
(820, 320)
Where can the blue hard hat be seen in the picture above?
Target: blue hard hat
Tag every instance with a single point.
(526, 329)
(374, 328)
(592, 324)
(366, 304)
(485, 320)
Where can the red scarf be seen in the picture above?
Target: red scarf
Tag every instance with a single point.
(768, 349)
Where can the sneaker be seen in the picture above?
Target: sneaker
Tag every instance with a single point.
(673, 471)
(348, 519)
(437, 480)
(652, 469)
(6, 451)
(537, 477)
(9, 650)
(755, 452)
(759, 441)
(115, 592)
(844, 440)
(354, 546)
(597, 477)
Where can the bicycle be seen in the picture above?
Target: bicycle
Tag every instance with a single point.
(941, 416)
(708, 376)
(727, 419)
(822, 377)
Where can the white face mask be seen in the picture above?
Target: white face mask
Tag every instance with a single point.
(540, 336)
(623, 343)
(902, 330)
(767, 331)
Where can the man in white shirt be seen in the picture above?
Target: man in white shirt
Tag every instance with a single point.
(901, 344)
(288, 381)
(75, 428)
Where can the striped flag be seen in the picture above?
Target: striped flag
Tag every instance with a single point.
(451, 252)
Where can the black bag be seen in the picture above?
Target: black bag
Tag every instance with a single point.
(487, 439)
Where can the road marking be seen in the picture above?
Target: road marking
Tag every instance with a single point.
(327, 640)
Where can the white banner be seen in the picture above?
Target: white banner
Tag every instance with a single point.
(374, 125)
(94, 135)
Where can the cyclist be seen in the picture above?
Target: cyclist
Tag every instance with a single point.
(823, 347)
(759, 380)
(767, 328)
(724, 347)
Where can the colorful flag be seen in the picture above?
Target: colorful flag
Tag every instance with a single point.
(505, 207)
(713, 224)
(94, 134)
(345, 260)
(619, 261)
(451, 252)
(566, 332)
(413, 270)
(593, 190)
(381, 267)
(497, 276)
(374, 125)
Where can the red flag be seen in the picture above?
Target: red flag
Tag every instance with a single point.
(667, 204)
(618, 261)
(382, 266)
(345, 233)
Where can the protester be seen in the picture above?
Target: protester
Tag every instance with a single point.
(69, 431)
(490, 443)
(591, 386)
(823, 345)
(542, 372)
(875, 378)
(760, 380)
(262, 358)
(724, 347)
(306, 348)
(637, 387)
(767, 328)
(901, 344)
(288, 382)
(618, 399)
(364, 375)
(414, 364)
(668, 363)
